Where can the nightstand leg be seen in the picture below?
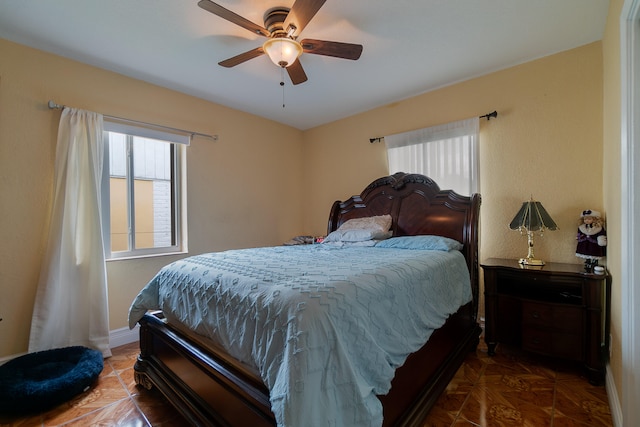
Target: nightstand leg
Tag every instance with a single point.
(491, 349)
(595, 376)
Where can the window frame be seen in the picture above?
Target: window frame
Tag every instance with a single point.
(178, 144)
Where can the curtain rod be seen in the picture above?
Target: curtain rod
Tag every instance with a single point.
(493, 114)
(53, 106)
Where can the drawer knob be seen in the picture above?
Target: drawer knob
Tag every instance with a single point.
(535, 315)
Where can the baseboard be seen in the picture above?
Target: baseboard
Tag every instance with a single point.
(614, 401)
(123, 336)
(117, 337)
(5, 359)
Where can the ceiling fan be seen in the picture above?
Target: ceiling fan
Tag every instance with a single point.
(282, 27)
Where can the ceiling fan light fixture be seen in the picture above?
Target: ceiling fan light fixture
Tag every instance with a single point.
(282, 51)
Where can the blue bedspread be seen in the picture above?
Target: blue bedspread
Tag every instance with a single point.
(325, 327)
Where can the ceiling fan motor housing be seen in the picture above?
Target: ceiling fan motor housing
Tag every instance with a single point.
(274, 20)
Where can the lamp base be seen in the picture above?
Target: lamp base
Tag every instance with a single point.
(531, 261)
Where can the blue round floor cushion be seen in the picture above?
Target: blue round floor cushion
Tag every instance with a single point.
(39, 381)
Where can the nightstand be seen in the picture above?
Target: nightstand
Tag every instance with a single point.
(557, 310)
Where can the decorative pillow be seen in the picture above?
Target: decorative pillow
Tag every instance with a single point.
(380, 223)
(363, 244)
(356, 235)
(300, 240)
(427, 242)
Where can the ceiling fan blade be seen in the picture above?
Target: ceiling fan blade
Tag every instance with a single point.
(230, 16)
(335, 49)
(301, 13)
(243, 57)
(296, 73)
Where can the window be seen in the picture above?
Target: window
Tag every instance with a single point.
(446, 153)
(141, 190)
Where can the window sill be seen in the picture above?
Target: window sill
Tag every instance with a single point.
(141, 256)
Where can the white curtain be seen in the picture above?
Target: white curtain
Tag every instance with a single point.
(445, 153)
(71, 301)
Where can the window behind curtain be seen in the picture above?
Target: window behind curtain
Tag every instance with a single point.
(445, 153)
(142, 178)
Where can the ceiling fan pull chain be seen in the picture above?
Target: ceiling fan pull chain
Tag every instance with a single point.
(282, 84)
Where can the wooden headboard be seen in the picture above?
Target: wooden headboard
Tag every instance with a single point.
(418, 207)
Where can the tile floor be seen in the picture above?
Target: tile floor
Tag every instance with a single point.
(508, 389)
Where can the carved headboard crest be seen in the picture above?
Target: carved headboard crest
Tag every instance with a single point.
(398, 181)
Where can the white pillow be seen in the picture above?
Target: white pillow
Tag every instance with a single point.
(356, 235)
(380, 223)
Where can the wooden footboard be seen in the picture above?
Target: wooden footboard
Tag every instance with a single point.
(211, 392)
(205, 389)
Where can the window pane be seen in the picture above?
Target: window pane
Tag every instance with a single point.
(152, 193)
(446, 153)
(118, 192)
(447, 162)
(119, 222)
(117, 154)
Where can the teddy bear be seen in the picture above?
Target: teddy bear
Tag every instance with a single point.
(592, 238)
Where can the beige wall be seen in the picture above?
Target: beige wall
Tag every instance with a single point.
(612, 163)
(256, 162)
(546, 142)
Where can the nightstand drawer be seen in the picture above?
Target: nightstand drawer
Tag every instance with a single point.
(561, 290)
(555, 316)
(559, 344)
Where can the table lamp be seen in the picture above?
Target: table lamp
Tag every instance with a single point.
(532, 217)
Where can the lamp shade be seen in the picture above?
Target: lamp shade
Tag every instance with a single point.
(282, 51)
(532, 216)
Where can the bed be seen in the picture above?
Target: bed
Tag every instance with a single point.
(211, 381)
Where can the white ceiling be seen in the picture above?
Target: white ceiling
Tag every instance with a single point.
(410, 46)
